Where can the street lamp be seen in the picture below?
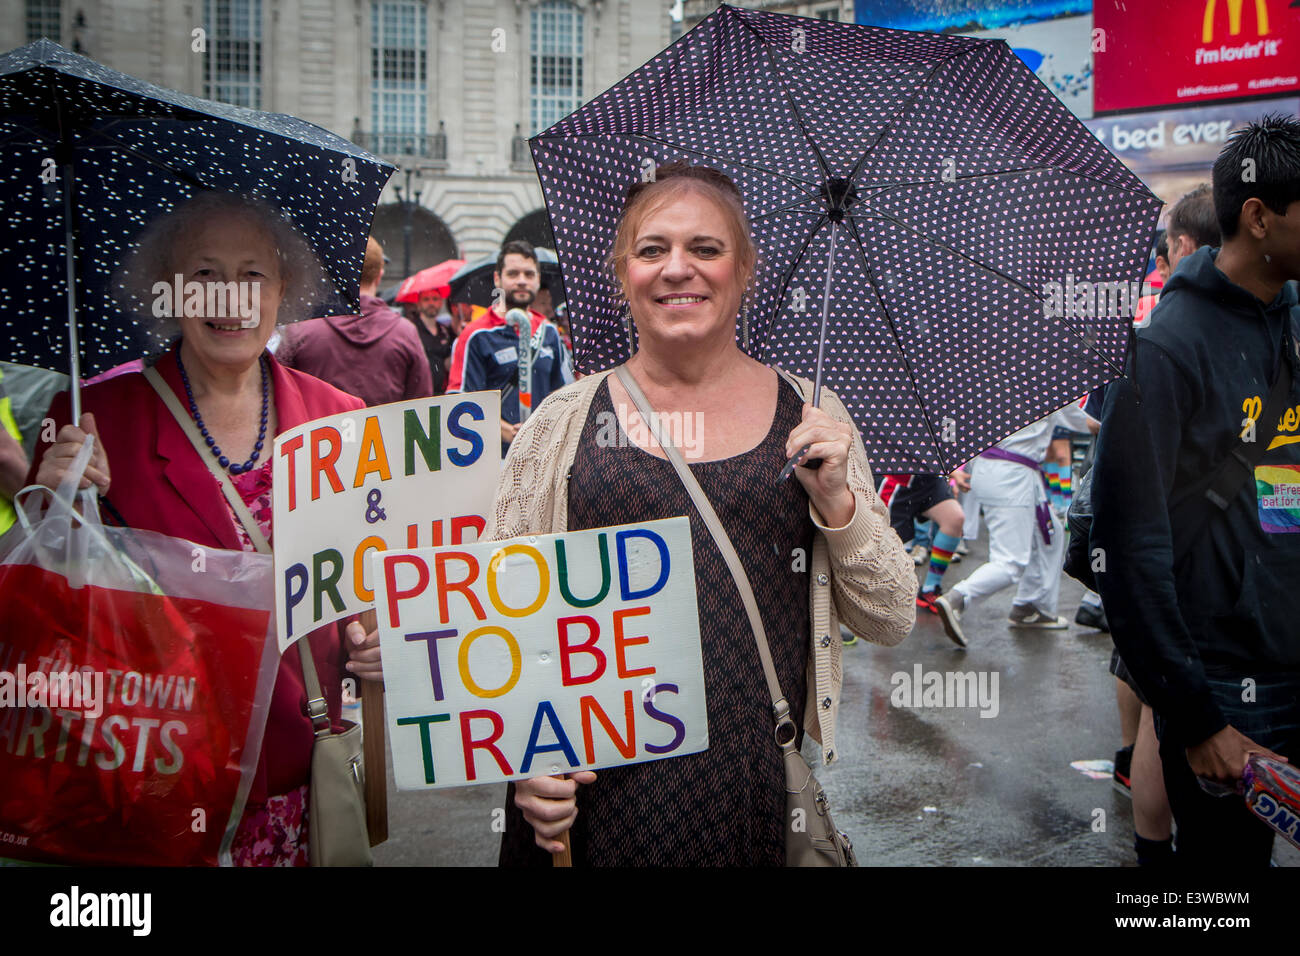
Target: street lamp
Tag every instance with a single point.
(408, 206)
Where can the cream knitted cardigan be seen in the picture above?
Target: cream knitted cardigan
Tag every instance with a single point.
(859, 573)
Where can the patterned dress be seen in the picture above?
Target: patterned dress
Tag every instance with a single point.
(273, 833)
(726, 805)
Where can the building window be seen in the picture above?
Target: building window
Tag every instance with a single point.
(399, 75)
(556, 65)
(43, 20)
(829, 13)
(232, 71)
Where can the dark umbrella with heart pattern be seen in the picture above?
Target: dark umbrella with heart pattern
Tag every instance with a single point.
(921, 204)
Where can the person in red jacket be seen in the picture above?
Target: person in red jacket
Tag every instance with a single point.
(240, 398)
(376, 356)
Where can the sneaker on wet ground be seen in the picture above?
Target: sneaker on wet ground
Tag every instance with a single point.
(949, 608)
(1123, 766)
(1026, 615)
(1092, 615)
(925, 600)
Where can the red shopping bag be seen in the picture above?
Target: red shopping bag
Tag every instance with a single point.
(135, 676)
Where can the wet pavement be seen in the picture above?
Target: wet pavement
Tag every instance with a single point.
(919, 786)
(945, 786)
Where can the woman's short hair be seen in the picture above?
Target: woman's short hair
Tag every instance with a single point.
(671, 180)
(306, 284)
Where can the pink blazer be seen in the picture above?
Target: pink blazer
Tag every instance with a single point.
(159, 483)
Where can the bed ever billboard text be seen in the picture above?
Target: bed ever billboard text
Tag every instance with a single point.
(540, 655)
(409, 474)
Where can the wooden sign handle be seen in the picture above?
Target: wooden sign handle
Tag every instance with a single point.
(374, 748)
(565, 856)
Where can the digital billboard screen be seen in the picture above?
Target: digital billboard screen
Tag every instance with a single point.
(1175, 52)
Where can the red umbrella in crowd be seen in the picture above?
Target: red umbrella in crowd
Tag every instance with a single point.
(434, 277)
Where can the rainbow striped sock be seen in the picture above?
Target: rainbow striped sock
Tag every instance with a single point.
(940, 556)
(1067, 486)
(1053, 483)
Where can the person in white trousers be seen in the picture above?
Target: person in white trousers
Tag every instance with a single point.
(1011, 495)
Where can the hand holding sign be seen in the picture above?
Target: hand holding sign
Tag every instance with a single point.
(342, 491)
(363, 653)
(550, 805)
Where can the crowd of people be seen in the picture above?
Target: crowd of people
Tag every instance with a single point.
(437, 347)
(1191, 507)
(1199, 595)
(1193, 512)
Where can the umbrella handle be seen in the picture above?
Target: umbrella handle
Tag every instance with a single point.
(788, 470)
(816, 463)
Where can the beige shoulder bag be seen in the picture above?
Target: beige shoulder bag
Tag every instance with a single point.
(336, 809)
(810, 835)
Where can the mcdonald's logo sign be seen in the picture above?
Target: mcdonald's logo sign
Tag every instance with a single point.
(1234, 19)
(1204, 53)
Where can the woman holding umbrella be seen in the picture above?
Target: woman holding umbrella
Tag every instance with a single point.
(238, 397)
(817, 550)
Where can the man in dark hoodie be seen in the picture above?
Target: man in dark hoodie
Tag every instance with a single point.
(375, 356)
(1203, 602)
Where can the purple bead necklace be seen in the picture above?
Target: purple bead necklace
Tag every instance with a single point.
(224, 461)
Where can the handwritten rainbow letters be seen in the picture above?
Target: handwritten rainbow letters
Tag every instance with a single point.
(512, 659)
(408, 474)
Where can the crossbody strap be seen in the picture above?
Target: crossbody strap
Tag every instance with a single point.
(183, 419)
(791, 380)
(317, 709)
(780, 706)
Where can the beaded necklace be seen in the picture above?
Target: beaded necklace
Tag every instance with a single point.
(224, 461)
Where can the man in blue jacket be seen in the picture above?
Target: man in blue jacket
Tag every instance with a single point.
(1204, 603)
(486, 354)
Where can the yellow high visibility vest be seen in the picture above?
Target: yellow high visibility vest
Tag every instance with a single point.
(7, 516)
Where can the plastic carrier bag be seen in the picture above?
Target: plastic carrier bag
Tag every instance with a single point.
(136, 673)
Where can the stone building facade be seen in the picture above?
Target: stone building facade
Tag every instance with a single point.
(448, 90)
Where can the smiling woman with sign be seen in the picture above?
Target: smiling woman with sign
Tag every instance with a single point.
(816, 551)
(219, 387)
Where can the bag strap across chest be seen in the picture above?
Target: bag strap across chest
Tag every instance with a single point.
(316, 705)
(785, 728)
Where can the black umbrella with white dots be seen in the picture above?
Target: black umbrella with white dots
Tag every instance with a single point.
(91, 154)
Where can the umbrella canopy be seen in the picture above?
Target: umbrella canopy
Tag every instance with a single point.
(113, 151)
(473, 283)
(925, 189)
(431, 278)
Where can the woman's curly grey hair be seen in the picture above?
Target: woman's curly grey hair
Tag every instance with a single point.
(306, 284)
